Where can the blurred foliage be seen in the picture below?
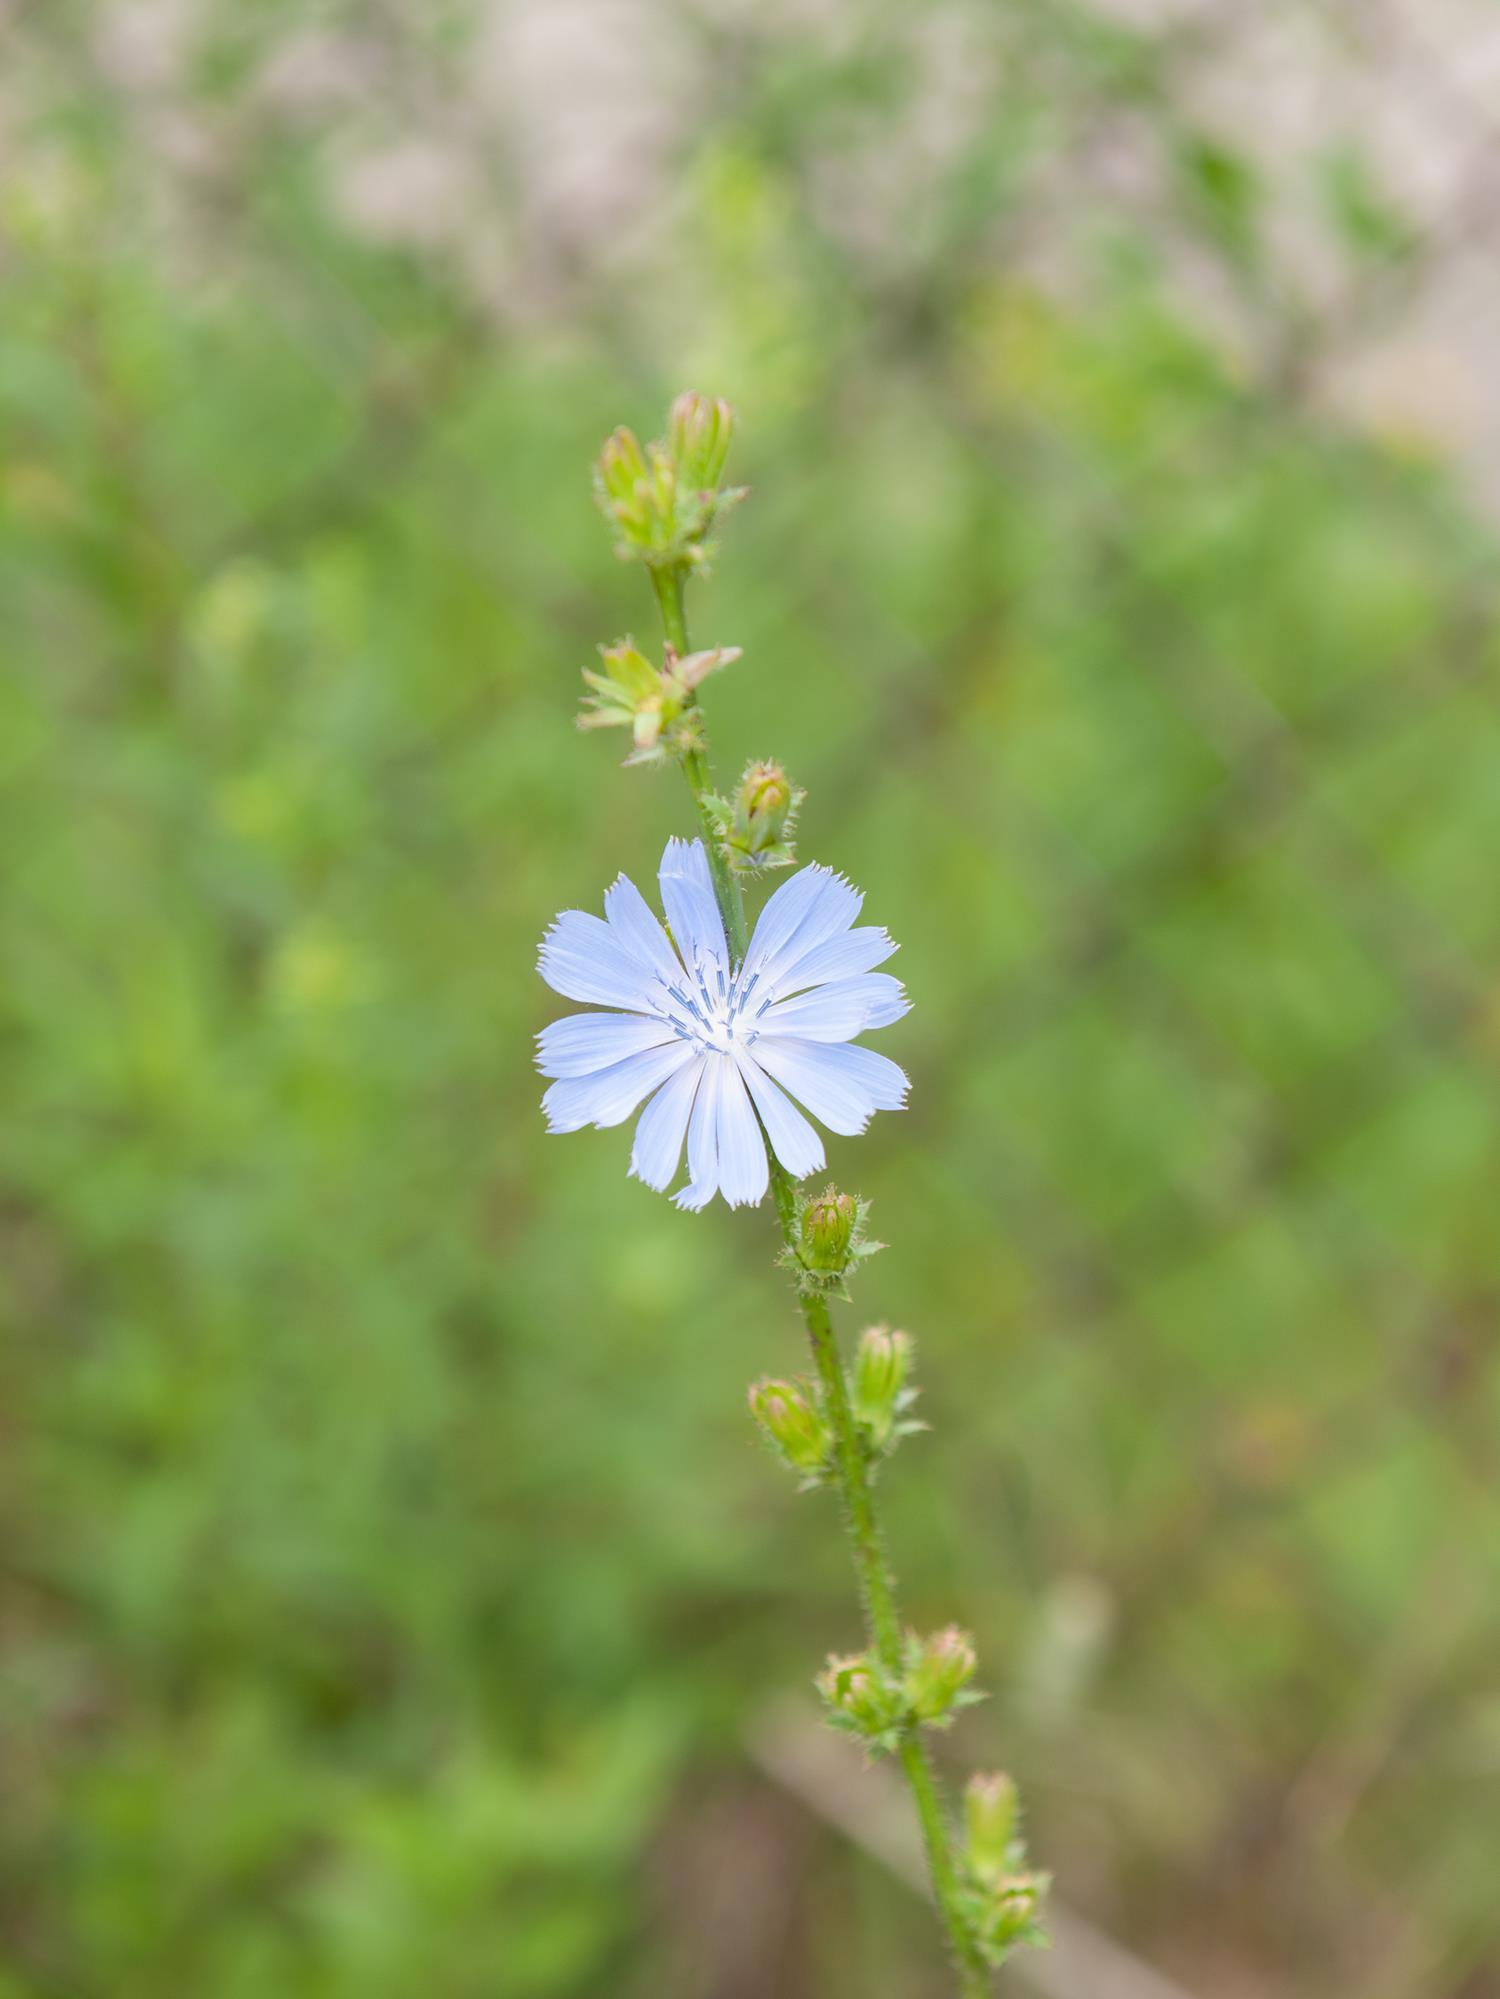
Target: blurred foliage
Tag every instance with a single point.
(390, 1569)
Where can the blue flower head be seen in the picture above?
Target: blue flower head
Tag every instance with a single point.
(719, 1051)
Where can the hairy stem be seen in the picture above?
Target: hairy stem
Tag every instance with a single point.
(866, 1544)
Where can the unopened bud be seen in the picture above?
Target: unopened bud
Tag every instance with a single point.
(880, 1370)
(856, 1691)
(637, 491)
(797, 1429)
(621, 466)
(991, 1816)
(662, 499)
(939, 1669)
(828, 1229)
(761, 806)
(698, 432)
(1010, 1913)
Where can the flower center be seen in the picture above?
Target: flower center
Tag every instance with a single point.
(718, 1015)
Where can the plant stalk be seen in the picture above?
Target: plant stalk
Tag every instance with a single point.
(668, 585)
(862, 1525)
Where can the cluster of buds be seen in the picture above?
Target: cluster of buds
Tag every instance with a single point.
(879, 1707)
(755, 827)
(662, 498)
(793, 1423)
(654, 703)
(1001, 1896)
(879, 1391)
(830, 1239)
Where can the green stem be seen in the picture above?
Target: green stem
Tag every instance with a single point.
(668, 585)
(866, 1544)
(878, 1595)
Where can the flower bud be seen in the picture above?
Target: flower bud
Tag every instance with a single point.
(663, 499)
(1009, 1914)
(621, 466)
(880, 1369)
(698, 433)
(1017, 1903)
(991, 1816)
(828, 1229)
(858, 1695)
(761, 806)
(938, 1670)
(794, 1426)
(637, 491)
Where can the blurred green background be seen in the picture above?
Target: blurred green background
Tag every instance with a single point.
(390, 1578)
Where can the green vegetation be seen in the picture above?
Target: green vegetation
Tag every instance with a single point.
(391, 1567)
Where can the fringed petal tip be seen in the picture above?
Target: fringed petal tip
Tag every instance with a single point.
(693, 1200)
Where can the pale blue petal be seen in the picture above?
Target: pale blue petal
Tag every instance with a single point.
(662, 1127)
(842, 957)
(743, 1173)
(889, 1003)
(610, 1096)
(840, 1084)
(582, 959)
(638, 931)
(840, 1010)
(823, 906)
(793, 1139)
(703, 1140)
(829, 914)
(866, 1069)
(584, 1043)
(832, 914)
(783, 911)
(687, 895)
